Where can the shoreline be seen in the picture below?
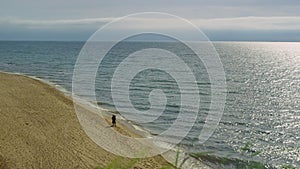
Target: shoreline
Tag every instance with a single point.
(51, 133)
(127, 127)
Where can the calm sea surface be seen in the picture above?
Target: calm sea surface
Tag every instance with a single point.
(261, 120)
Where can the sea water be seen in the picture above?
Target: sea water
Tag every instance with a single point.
(261, 119)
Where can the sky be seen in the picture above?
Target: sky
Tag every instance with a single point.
(220, 20)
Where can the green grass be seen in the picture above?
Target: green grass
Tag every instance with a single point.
(120, 163)
(123, 163)
(177, 157)
(201, 154)
(167, 167)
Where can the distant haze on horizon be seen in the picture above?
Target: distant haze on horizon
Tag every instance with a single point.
(228, 20)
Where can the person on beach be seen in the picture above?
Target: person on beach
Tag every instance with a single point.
(113, 120)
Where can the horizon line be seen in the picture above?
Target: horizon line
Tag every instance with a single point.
(52, 40)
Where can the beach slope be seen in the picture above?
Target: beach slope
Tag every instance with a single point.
(39, 129)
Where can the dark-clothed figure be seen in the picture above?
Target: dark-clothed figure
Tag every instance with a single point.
(114, 121)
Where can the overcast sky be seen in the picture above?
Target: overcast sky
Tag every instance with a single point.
(250, 20)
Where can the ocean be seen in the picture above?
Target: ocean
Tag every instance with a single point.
(261, 119)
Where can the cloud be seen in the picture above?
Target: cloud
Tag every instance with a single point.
(41, 9)
(255, 27)
(46, 24)
(250, 23)
(244, 23)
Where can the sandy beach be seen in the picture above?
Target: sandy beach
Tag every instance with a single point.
(39, 129)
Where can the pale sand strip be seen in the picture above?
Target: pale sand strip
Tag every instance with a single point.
(39, 129)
